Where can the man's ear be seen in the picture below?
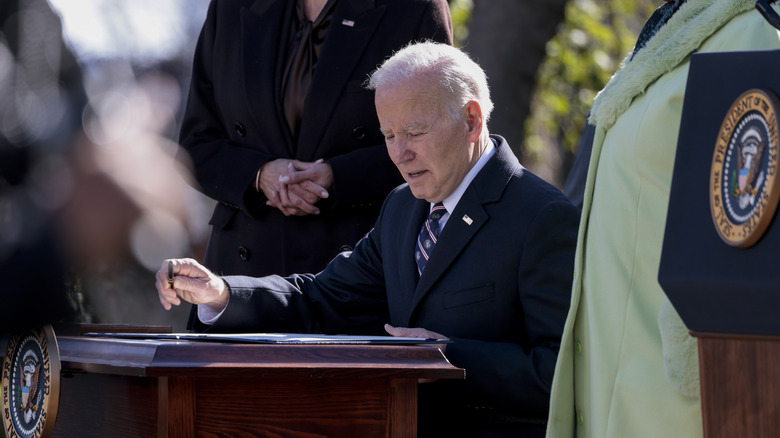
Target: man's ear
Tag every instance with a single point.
(474, 120)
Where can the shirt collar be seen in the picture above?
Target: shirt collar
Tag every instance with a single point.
(451, 201)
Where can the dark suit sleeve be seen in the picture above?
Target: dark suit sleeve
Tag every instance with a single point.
(514, 377)
(353, 169)
(224, 170)
(348, 297)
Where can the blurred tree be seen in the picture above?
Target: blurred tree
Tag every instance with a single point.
(508, 39)
(460, 10)
(588, 48)
(545, 63)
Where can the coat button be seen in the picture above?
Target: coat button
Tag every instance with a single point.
(345, 248)
(580, 418)
(359, 133)
(243, 252)
(240, 129)
(578, 347)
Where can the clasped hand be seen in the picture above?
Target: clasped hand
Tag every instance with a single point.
(294, 187)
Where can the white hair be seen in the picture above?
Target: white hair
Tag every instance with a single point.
(460, 78)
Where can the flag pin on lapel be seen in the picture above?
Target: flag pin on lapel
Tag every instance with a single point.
(467, 219)
(348, 23)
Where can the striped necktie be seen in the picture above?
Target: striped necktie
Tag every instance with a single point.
(428, 236)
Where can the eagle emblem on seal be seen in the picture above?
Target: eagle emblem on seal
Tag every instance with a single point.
(751, 149)
(30, 372)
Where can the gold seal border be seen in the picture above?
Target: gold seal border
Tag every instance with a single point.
(51, 374)
(746, 234)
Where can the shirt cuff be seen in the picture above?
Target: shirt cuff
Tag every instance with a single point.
(207, 315)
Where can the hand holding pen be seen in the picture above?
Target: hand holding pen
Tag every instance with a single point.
(188, 280)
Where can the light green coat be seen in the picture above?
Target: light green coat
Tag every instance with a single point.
(610, 379)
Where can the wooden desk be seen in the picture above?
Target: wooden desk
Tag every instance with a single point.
(141, 388)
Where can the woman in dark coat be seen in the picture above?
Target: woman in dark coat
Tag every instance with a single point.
(277, 88)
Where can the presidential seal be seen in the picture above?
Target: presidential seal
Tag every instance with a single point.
(31, 384)
(743, 177)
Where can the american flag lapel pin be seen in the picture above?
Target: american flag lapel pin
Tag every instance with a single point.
(348, 23)
(467, 219)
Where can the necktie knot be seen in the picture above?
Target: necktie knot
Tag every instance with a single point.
(437, 212)
(429, 234)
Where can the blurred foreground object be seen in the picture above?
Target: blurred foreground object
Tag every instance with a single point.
(85, 178)
(41, 87)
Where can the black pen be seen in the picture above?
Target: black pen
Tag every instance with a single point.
(170, 274)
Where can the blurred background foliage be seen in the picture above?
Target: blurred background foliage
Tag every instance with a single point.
(588, 48)
(590, 40)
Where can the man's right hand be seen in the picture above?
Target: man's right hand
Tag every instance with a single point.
(193, 283)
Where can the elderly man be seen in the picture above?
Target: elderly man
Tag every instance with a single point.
(474, 248)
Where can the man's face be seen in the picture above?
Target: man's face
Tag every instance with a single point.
(432, 152)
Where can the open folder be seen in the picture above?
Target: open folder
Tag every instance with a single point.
(274, 338)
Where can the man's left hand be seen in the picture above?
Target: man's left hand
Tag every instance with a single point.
(416, 332)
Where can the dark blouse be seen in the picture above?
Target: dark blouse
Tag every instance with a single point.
(304, 47)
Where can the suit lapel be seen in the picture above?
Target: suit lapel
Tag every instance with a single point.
(405, 224)
(467, 219)
(354, 23)
(263, 30)
(452, 241)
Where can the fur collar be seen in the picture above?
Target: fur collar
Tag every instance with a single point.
(682, 35)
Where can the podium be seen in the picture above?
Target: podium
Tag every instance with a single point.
(723, 278)
(169, 388)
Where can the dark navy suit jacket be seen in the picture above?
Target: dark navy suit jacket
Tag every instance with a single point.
(498, 285)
